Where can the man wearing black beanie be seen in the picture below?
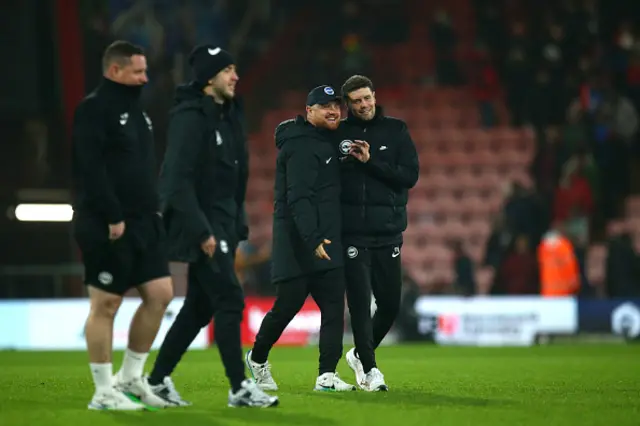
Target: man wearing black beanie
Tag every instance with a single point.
(202, 189)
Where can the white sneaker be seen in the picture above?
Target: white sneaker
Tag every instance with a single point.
(250, 395)
(139, 388)
(261, 373)
(113, 400)
(167, 391)
(354, 363)
(374, 381)
(331, 382)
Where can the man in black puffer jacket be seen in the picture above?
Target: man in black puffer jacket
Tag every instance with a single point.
(379, 166)
(202, 188)
(307, 252)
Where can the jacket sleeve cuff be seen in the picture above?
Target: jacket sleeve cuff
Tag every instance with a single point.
(204, 237)
(315, 241)
(115, 216)
(374, 162)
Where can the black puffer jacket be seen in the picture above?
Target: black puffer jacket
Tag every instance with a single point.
(307, 200)
(203, 179)
(375, 194)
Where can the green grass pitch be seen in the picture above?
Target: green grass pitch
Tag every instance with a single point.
(429, 385)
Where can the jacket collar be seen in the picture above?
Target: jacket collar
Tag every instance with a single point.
(352, 119)
(119, 91)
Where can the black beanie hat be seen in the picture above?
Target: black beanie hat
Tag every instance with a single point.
(207, 60)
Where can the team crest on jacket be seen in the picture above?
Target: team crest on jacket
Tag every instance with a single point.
(105, 278)
(352, 252)
(345, 145)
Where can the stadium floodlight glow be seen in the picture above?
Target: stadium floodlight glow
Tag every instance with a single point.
(44, 212)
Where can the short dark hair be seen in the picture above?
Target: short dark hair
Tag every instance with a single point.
(120, 51)
(355, 82)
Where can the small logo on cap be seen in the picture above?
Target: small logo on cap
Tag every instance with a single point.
(329, 91)
(214, 52)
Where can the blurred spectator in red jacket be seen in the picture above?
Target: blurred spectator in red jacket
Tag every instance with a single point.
(573, 192)
(633, 79)
(518, 273)
(551, 154)
(486, 85)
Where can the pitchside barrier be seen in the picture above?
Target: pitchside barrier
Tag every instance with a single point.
(475, 321)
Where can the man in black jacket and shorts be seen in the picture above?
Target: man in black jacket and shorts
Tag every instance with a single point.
(117, 226)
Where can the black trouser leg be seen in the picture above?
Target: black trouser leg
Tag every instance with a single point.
(228, 302)
(357, 275)
(386, 283)
(290, 296)
(327, 290)
(196, 312)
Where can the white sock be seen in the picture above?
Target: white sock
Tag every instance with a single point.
(102, 376)
(133, 364)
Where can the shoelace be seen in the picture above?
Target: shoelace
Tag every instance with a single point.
(379, 374)
(264, 372)
(375, 374)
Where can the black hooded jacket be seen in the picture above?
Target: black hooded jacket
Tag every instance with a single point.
(375, 194)
(114, 160)
(307, 200)
(203, 180)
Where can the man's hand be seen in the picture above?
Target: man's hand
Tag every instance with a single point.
(320, 252)
(360, 150)
(116, 230)
(209, 246)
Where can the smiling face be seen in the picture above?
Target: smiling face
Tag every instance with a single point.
(326, 115)
(362, 103)
(223, 85)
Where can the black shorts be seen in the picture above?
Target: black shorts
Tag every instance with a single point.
(139, 256)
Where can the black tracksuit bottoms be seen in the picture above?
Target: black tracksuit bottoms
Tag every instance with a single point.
(377, 270)
(327, 289)
(212, 292)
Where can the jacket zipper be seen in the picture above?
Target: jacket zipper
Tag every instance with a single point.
(364, 191)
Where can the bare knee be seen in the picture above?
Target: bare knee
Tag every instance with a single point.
(103, 304)
(157, 294)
